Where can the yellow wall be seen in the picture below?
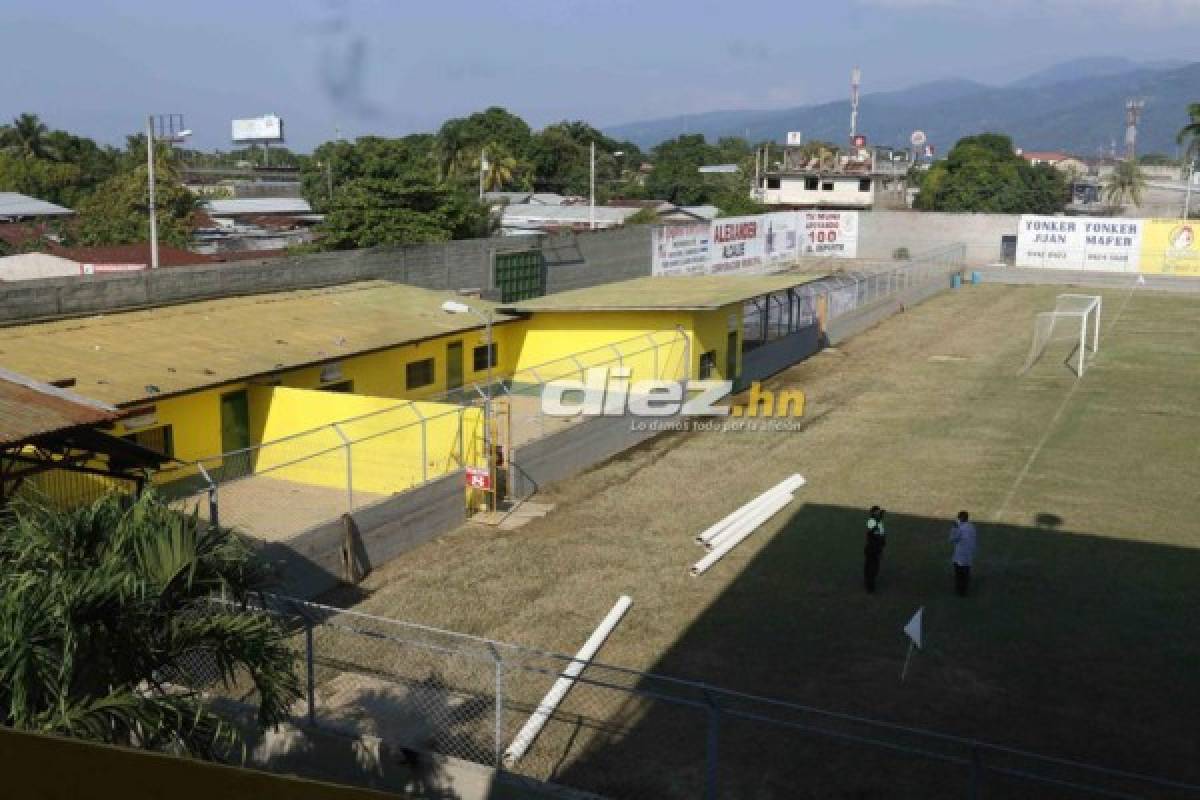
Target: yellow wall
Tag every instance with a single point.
(1171, 247)
(391, 449)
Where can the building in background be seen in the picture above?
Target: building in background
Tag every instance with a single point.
(15, 207)
(866, 179)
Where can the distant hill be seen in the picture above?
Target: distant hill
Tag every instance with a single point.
(1077, 106)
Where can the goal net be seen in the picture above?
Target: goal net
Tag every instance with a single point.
(1075, 318)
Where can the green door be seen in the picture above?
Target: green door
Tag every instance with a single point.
(731, 356)
(520, 276)
(454, 365)
(235, 422)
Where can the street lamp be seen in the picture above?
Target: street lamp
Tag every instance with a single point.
(455, 307)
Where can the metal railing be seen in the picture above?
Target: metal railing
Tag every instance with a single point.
(624, 732)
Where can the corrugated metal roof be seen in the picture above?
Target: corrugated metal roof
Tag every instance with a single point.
(259, 205)
(531, 212)
(139, 355)
(13, 204)
(29, 408)
(678, 293)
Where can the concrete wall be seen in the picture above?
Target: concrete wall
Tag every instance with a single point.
(764, 361)
(315, 561)
(882, 232)
(573, 260)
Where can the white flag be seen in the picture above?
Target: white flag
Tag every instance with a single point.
(913, 628)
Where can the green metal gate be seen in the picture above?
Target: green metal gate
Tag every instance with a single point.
(521, 275)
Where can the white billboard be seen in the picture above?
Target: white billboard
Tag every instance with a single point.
(681, 249)
(1102, 244)
(737, 245)
(268, 128)
(829, 233)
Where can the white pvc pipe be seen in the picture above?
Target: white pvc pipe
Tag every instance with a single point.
(786, 486)
(734, 538)
(537, 720)
(769, 507)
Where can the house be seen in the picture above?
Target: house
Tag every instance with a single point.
(875, 178)
(1054, 158)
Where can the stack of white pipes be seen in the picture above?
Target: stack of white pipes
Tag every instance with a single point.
(731, 531)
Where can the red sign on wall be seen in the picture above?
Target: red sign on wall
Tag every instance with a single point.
(478, 478)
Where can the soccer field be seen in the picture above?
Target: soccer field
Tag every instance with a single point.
(1080, 639)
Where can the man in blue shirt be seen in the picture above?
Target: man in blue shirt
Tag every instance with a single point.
(962, 536)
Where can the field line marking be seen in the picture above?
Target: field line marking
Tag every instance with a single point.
(1037, 450)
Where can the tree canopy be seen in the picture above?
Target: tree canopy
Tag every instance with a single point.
(108, 630)
(984, 174)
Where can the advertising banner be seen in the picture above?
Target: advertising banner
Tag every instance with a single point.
(737, 245)
(829, 233)
(681, 249)
(1169, 247)
(781, 240)
(1101, 244)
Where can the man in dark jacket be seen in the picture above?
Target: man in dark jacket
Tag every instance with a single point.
(873, 552)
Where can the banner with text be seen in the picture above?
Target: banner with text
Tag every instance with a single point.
(681, 249)
(1169, 247)
(1101, 244)
(830, 233)
(754, 244)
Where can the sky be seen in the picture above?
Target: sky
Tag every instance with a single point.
(392, 67)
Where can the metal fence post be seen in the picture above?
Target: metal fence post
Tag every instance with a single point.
(311, 674)
(499, 709)
(213, 505)
(710, 750)
(349, 467)
(424, 445)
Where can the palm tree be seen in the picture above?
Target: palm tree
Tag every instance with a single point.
(108, 629)
(1190, 133)
(27, 137)
(500, 168)
(1126, 183)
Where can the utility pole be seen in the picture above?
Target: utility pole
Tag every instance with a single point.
(150, 180)
(855, 80)
(483, 165)
(592, 192)
(1133, 114)
(1191, 180)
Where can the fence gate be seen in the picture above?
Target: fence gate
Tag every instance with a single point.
(520, 275)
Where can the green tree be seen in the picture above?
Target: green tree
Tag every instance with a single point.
(1126, 183)
(369, 212)
(118, 211)
(26, 137)
(106, 610)
(560, 156)
(984, 174)
(36, 177)
(1189, 135)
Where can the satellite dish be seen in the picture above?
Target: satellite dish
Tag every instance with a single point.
(918, 138)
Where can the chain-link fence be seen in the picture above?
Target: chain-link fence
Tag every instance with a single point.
(627, 733)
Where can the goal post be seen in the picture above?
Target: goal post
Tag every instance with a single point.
(1076, 317)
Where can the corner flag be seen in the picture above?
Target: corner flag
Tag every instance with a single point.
(913, 628)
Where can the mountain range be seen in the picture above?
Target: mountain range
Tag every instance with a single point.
(1077, 106)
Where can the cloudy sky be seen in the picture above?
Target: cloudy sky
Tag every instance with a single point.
(398, 66)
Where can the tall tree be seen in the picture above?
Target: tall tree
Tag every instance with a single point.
(1125, 184)
(1189, 135)
(984, 174)
(106, 615)
(118, 212)
(27, 137)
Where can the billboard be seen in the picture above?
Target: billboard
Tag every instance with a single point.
(268, 128)
(737, 245)
(1169, 247)
(829, 233)
(1102, 244)
(681, 249)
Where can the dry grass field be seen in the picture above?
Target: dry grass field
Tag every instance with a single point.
(1080, 639)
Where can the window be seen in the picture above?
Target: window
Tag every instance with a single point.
(827, 186)
(810, 184)
(708, 363)
(161, 440)
(772, 183)
(344, 387)
(864, 185)
(418, 373)
(480, 357)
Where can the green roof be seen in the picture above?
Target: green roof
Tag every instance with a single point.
(676, 293)
(140, 355)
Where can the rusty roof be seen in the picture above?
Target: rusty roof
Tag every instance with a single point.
(29, 408)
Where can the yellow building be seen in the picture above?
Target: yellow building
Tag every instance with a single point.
(192, 378)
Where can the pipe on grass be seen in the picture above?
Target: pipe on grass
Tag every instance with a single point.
(739, 534)
(769, 508)
(537, 720)
(786, 486)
